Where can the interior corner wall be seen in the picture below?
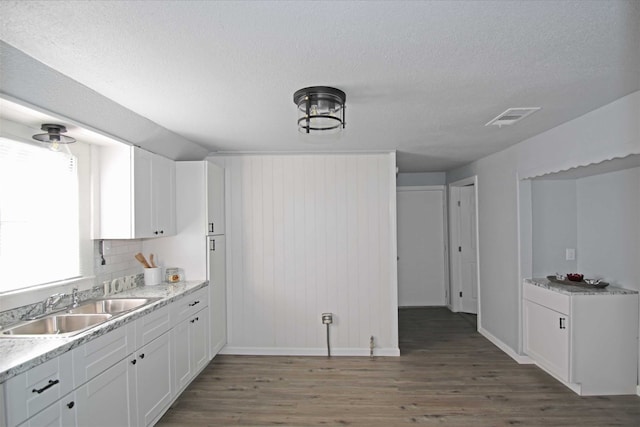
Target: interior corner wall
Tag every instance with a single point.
(608, 227)
(608, 132)
(308, 234)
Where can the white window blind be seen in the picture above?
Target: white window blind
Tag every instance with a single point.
(39, 227)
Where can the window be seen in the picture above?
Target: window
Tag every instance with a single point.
(39, 215)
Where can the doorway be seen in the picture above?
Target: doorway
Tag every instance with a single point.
(422, 272)
(463, 220)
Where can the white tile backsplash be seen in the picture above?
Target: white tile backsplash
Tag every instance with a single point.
(119, 259)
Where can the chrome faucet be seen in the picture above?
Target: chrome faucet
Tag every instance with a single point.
(52, 301)
(74, 298)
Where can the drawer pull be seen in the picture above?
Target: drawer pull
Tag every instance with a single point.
(134, 361)
(142, 356)
(194, 303)
(71, 404)
(48, 386)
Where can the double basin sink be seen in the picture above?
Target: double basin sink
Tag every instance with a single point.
(71, 321)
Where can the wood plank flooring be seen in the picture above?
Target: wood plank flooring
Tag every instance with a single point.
(448, 375)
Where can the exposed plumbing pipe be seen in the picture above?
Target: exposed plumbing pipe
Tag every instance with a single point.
(371, 345)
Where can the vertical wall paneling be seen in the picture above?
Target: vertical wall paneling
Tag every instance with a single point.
(310, 234)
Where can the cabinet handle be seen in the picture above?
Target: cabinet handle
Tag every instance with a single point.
(194, 303)
(155, 232)
(562, 325)
(142, 356)
(213, 245)
(134, 361)
(161, 231)
(210, 227)
(48, 386)
(70, 404)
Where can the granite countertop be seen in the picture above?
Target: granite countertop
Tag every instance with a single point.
(20, 354)
(578, 290)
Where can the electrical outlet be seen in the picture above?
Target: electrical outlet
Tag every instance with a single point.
(327, 318)
(570, 254)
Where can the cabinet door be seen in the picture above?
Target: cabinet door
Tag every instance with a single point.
(164, 196)
(217, 293)
(546, 338)
(182, 367)
(109, 399)
(199, 335)
(143, 214)
(215, 199)
(153, 379)
(60, 414)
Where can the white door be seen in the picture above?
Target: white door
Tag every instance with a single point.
(468, 250)
(421, 260)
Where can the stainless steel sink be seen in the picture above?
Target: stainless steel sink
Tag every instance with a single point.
(59, 325)
(109, 306)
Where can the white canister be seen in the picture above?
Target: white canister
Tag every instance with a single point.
(152, 276)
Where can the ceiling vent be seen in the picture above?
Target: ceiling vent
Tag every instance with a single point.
(511, 116)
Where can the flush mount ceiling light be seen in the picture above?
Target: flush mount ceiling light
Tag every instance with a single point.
(320, 109)
(54, 136)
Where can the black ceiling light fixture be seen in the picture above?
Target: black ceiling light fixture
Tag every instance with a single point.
(54, 136)
(320, 109)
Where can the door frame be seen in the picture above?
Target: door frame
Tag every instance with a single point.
(454, 303)
(445, 230)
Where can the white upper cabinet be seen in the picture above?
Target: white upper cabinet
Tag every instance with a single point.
(215, 199)
(136, 193)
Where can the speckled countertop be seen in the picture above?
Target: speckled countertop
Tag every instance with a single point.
(20, 354)
(578, 290)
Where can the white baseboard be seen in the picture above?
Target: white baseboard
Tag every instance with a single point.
(298, 351)
(521, 359)
(638, 390)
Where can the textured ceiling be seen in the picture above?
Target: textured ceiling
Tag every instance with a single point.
(421, 77)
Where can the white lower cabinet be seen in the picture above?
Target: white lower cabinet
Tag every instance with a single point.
(588, 341)
(190, 339)
(60, 414)
(546, 338)
(153, 379)
(108, 399)
(127, 377)
(32, 391)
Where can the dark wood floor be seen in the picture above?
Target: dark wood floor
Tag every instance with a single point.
(448, 375)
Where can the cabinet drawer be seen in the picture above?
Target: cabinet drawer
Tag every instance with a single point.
(28, 393)
(97, 356)
(553, 300)
(189, 305)
(152, 326)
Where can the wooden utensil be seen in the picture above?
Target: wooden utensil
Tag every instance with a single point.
(153, 264)
(142, 260)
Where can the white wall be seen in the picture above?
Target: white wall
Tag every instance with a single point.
(554, 226)
(308, 234)
(421, 179)
(609, 227)
(608, 132)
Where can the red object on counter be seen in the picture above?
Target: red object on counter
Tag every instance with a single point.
(575, 277)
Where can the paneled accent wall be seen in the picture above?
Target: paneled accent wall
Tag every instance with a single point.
(309, 234)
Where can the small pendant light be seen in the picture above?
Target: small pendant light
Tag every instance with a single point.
(54, 136)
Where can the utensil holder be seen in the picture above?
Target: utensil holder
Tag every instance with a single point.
(152, 276)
